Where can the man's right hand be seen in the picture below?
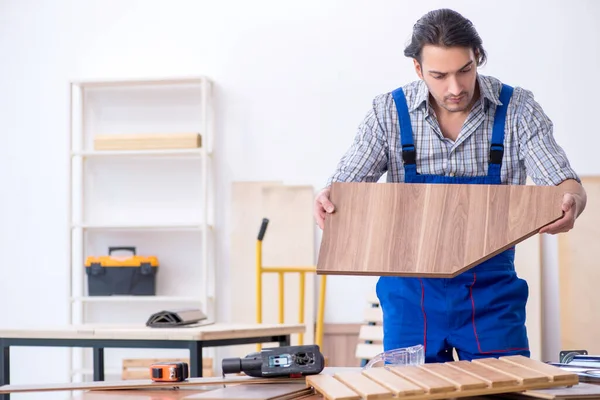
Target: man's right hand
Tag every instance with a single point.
(323, 206)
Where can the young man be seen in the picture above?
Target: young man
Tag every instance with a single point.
(454, 125)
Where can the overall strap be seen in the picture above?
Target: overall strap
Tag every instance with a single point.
(497, 143)
(406, 133)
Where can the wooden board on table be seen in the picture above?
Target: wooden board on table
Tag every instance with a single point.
(429, 230)
(147, 141)
(145, 384)
(454, 379)
(289, 241)
(266, 391)
(579, 274)
(579, 391)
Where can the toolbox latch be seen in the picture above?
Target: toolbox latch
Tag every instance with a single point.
(97, 269)
(145, 268)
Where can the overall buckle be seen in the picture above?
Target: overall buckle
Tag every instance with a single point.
(408, 154)
(496, 153)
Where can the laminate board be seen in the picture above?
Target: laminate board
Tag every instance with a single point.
(261, 391)
(429, 230)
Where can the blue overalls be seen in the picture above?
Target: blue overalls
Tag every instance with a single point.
(481, 312)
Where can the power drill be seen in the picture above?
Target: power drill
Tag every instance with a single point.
(288, 361)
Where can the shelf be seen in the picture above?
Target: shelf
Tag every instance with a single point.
(142, 81)
(194, 226)
(195, 153)
(136, 299)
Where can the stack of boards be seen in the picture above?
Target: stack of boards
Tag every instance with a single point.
(512, 376)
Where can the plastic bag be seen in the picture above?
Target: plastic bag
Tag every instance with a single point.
(413, 355)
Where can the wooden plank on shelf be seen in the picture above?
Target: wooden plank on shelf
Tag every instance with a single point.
(447, 380)
(147, 141)
(289, 241)
(399, 224)
(579, 274)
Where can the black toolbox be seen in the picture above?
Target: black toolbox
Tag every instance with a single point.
(114, 275)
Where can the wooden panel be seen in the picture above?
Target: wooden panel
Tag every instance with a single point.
(579, 391)
(145, 383)
(546, 369)
(433, 230)
(430, 382)
(394, 382)
(579, 274)
(147, 141)
(494, 378)
(289, 241)
(524, 375)
(452, 380)
(459, 379)
(367, 388)
(332, 388)
(255, 392)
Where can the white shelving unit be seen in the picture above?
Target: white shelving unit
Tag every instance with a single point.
(159, 201)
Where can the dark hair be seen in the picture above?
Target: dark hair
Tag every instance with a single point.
(446, 28)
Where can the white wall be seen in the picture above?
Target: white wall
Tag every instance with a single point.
(293, 81)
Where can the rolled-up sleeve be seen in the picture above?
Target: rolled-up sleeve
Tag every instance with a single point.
(367, 158)
(545, 160)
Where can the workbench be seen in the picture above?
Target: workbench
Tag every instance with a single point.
(99, 337)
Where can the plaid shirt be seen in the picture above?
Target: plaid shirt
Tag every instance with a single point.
(529, 145)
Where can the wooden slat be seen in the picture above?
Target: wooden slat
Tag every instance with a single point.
(147, 141)
(373, 314)
(396, 237)
(432, 383)
(492, 377)
(461, 380)
(554, 373)
(524, 375)
(332, 388)
(372, 298)
(364, 386)
(366, 351)
(398, 385)
(372, 333)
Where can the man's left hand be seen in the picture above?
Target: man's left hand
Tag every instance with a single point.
(566, 223)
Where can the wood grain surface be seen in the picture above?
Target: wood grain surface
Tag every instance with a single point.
(140, 332)
(429, 230)
(515, 375)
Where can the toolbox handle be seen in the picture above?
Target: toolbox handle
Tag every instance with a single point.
(111, 249)
(263, 228)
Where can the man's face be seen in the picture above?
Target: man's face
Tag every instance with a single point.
(450, 74)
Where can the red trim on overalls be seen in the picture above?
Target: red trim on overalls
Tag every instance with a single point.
(424, 316)
(475, 328)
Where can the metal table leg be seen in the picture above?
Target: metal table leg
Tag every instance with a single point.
(98, 363)
(195, 359)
